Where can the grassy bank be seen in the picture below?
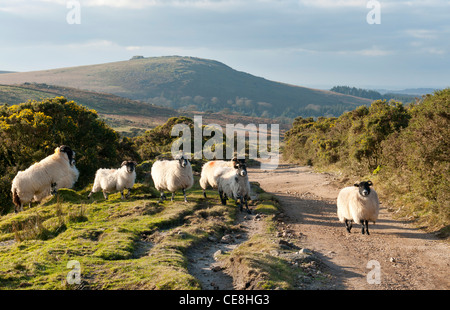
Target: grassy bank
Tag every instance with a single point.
(134, 244)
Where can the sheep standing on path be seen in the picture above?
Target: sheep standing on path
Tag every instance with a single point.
(233, 182)
(358, 203)
(208, 178)
(45, 177)
(172, 175)
(112, 180)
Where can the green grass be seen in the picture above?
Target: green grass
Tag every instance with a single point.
(14, 95)
(131, 244)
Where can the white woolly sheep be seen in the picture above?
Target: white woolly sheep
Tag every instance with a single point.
(233, 182)
(172, 175)
(358, 203)
(45, 177)
(207, 177)
(112, 180)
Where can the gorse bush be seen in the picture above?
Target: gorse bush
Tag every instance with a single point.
(416, 161)
(353, 139)
(408, 148)
(31, 131)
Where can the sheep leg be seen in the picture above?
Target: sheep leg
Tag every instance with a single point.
(204, 193)
(222, 198)
(162, 197)
(18, 209)
(348, 225)
(365, 227)
(54, 191)
(90, 194)
(105, 195)
(173, 196)
(246, 205)
(184, 194)
(239, 202)
(122, 196)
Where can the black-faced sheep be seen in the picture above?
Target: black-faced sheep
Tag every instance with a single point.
(358, 203)
(113, 180)
(172, 175)
(45, 177)
(208, 178)
(233, 182)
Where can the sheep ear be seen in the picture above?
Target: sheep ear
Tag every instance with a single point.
(124, 163)
(234, 159)
(356, 184)
(369, 183)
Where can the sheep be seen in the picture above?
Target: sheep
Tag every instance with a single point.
(45, 177)
(172, 175)
(358, 203)
(233, 182)
(111, 180)
(207, 176)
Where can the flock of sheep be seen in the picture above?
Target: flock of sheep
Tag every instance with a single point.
(358, 203)
(58, 171)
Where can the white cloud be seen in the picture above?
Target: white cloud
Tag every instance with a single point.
(133, 48)
(373, 52)
(334, 3)
(434, 51)
(139, 4)
(422, 33)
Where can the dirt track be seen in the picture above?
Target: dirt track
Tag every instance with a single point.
(409, 258)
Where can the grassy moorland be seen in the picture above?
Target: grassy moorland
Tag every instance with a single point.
(193, 84)
(135, 244)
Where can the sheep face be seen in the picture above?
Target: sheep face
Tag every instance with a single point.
(131, 165)
(364, 188)
(69, 152)
(240, 166)
(183, 162)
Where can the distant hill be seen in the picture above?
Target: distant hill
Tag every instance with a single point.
(404, 97)
(189, 84)
(102, 102)
(130, 117)
(410, 91)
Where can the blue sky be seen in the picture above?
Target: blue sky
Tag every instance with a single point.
(313, 43)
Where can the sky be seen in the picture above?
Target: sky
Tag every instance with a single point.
(314, 43)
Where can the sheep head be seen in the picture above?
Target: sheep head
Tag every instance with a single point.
(240, 166)
(364, 188)
(183, 162)
(131, 165)
(69, 152)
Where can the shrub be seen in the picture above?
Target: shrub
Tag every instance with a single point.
(31, 131)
